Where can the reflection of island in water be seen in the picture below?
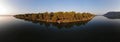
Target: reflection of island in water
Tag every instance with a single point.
(58, 19)
(113, 15)
(61, 25)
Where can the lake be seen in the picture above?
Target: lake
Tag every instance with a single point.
(99, 29)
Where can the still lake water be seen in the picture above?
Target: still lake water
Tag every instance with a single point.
(99, 29)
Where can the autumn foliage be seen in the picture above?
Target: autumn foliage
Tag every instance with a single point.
(57, 16)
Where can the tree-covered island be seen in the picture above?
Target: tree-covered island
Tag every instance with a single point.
(60, 17)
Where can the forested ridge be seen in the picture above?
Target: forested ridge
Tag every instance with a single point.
(57, 16)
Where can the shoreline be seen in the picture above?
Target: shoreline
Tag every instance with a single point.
(59, 17)
(62, 21)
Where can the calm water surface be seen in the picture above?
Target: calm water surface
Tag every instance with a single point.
(99, 29)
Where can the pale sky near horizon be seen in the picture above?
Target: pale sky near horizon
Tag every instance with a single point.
(99, 7)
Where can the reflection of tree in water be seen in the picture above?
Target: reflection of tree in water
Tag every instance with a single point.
(112, 17)
(61, 25)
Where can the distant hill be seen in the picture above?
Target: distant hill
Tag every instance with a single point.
(113, 15)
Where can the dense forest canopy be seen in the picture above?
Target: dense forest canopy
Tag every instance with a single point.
(57, 16)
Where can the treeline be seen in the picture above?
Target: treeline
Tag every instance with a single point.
(57, 16)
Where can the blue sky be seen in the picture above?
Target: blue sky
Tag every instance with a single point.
(93, 6)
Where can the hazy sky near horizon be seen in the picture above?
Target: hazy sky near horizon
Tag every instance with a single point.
(32, 6)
